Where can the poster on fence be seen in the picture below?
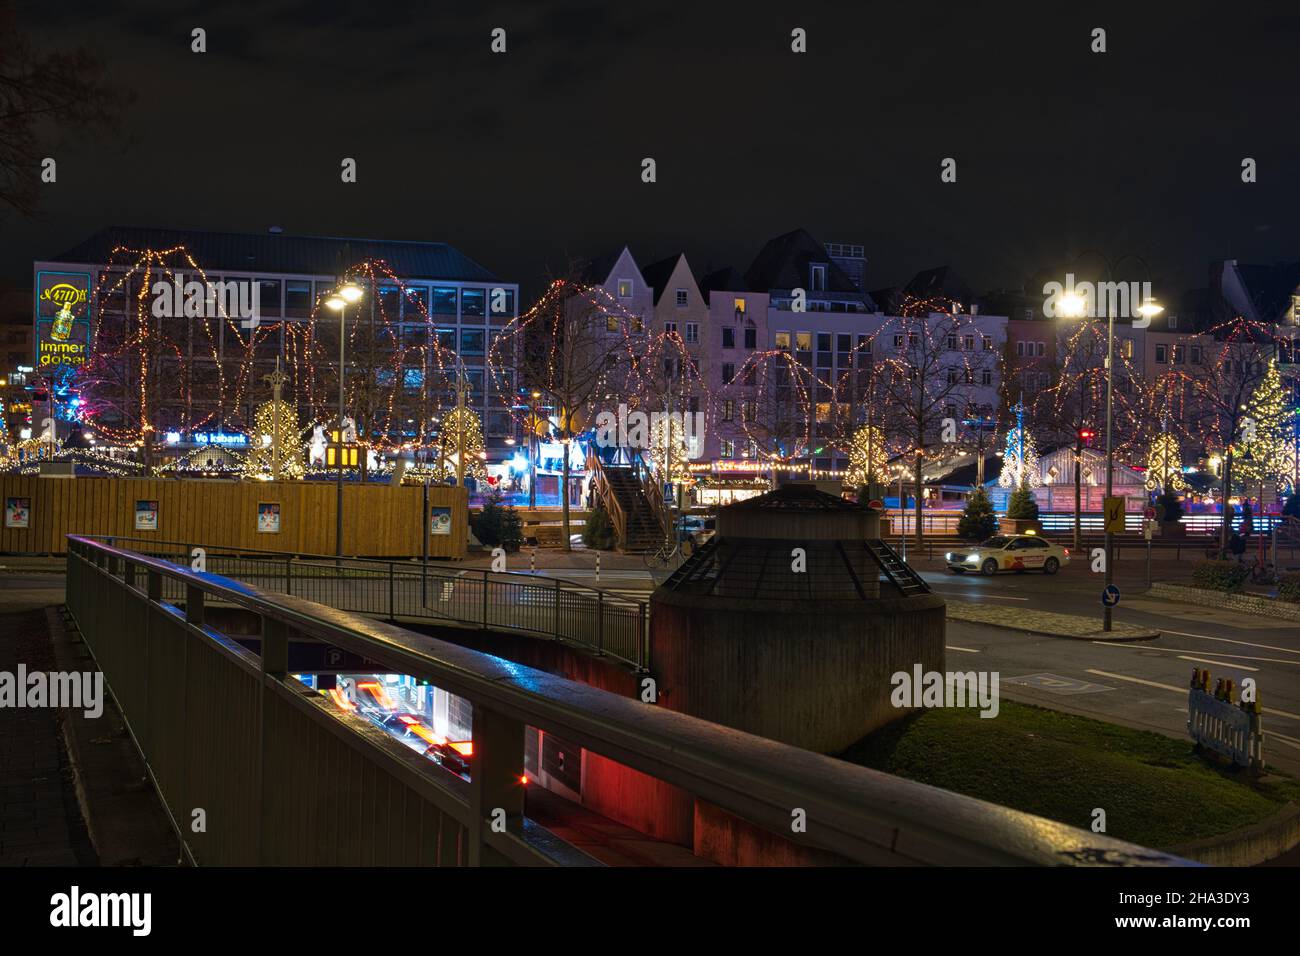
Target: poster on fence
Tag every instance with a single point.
(18, 512)
(439, 521)
(146, 516)
(268, 517)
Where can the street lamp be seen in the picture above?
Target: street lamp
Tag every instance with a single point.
(1075, 306)
(338, 301)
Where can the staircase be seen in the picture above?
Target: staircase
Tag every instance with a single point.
(896, 569)
(634, 508)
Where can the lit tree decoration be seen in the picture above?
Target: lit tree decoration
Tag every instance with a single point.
(1164, 467)
(274, 446)
(1020, 460)
(868, 457)
(4, 430)
(461, 435)
(1264, 454)
(668, 449)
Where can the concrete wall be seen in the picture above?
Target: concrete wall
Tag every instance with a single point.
(817, 679)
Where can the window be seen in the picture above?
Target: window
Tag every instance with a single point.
(472, 301)
(1042, 349)
(952, 376)
(728, 373)
(297, 298)
(817, 276)
(1020, 349)
(751, 338)
(681, 298)
(1196, 355)
(611, 322)
(1127, 348)
(443, 301)
(986, 377)
(1173, 321)
(740, 306)
(988, 344)
(803, 341)
(728, 449)
(1162, 354)
(625, 288)
(952, 343)
(783, 341)
(968, 343)
(950, 411)
(728, 410)
(1178, 355)
(749, 412)
(670, 328)
(728, 337)
(898, 341)
(471, 341)
(692, 332)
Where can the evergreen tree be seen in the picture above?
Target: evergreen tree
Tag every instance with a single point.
(977, 520)
(1022, 505)
(598, 532)
(496, 526)
(1172, 507)
(1292, 507)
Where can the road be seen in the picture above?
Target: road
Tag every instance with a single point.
(1141, 684)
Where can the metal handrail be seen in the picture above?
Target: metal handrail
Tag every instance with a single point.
(611, 624)
(855, 813)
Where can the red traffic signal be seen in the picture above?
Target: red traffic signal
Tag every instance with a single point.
(1086, 435)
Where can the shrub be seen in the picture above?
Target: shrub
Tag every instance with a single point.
(496, 526)
(1288, 587)
(1227, 576)
(977, 520)
(1022, 504)
(1292, 507)
(598, 532)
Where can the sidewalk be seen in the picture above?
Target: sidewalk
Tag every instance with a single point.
(1049, 623)
(40, 820)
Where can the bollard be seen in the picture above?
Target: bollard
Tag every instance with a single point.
(532, 562)
(597, 569)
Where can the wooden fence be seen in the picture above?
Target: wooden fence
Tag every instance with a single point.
(379, 520)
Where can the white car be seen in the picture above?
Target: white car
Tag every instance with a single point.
(1009, 552)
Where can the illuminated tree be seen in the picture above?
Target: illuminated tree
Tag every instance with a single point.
(461, 439)
(669, 451)
(1265, 455)
(274, 444)
(1020, 459)
(1164, 467)
(868, 458)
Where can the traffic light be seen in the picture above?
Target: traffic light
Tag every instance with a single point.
(1086, 435)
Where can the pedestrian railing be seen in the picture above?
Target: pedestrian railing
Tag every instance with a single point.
(1214, 722)
(280, 776)
(600, 621)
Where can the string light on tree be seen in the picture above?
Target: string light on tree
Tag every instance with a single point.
(1266, 432)
(1164, 466)
(868, 457)
(461, 439)
(275, 446)
(1020, 459)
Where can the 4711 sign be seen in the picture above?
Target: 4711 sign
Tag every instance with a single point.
(62, 323)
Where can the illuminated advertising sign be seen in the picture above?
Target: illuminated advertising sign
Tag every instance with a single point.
(62, 320)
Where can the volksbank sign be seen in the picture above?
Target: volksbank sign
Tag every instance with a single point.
(62, 320)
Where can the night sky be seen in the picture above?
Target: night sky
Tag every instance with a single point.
(525, 159)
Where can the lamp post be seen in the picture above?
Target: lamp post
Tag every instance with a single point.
(1074, 305)
(339, 300)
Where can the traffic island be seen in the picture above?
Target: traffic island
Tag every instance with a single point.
(1047, 623)
(1150, 789)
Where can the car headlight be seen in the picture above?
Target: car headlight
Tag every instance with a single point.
(948, 556)
(972, 559)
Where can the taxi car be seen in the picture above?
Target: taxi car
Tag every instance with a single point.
(1009, 552)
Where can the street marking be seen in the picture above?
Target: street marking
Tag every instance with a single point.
(1284, 741)
(968, 650)
(1179, 690)
(1228, 640)
(1210, 660)
(1238, 657)
(977, 594)
(1137, 680)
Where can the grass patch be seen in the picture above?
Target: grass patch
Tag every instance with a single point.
(1154, 790)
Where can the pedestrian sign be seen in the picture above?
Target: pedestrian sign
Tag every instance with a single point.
(1109, 595)
(1113, 509)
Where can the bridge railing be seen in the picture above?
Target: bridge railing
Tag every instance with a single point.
(597, 620)
(281, 777)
